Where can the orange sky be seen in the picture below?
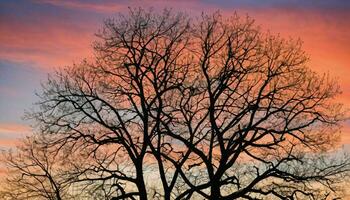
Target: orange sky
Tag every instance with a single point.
(39, 35)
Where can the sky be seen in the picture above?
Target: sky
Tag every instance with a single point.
(39, 36)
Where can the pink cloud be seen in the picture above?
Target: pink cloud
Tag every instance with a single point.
(46, 43)
(112, 7)
(12, 128)
(98, 7)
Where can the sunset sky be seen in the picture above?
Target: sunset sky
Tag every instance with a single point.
(38, 36)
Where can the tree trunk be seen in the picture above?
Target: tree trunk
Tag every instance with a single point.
(140, 182)
(215, 191)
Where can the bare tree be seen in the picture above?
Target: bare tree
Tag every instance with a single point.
(180, 108)
(33, 174)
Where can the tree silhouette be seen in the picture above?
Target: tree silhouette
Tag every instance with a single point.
(32, 173)
(207, 108)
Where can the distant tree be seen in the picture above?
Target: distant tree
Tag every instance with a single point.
(32, 174)
(207, 108)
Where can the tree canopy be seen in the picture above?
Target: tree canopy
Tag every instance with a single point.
(174, 107)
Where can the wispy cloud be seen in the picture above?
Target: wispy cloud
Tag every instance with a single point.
(13, 128)
(48, 42)
(84, 5)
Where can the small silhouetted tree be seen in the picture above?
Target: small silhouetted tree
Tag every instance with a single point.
(33, 173)
(180, 108)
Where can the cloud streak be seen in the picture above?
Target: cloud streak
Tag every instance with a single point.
(14, 129)
(46, 43)
(97, 7)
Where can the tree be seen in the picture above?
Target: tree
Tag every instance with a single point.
(33, 173)
(180, 108)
